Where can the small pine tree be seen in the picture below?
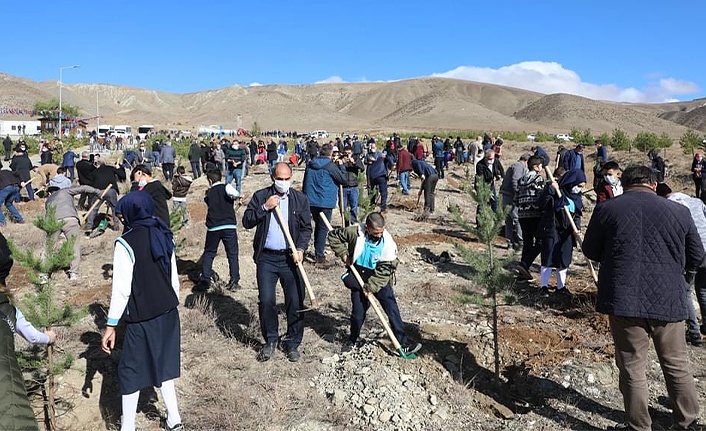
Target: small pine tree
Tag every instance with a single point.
(492, 276)
(41, 307)
(620, 141)
(690, 141)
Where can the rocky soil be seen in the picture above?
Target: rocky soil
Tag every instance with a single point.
(557, 368)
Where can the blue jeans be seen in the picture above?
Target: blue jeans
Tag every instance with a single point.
(7, 196)
(30, 193)
(155, 156)
(270, 269)
(236, 174)
(71, 172)
(320, 231)
(196, 169)
(350, 199)
(229, 238)
(404, 181)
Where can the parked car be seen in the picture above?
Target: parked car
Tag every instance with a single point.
(563, 137)
(319, 134)
(531, 137)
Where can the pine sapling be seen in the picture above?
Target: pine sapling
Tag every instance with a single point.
(41, 307)
(492, 276)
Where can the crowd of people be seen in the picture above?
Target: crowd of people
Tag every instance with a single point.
(647, 241)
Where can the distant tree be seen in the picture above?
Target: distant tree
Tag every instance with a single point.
(543, 137)
(664, 141)
(255, 129)
(604, 138)
(583, 137)
(51, 109)
(620, 141)
(690, 141)
(645, 141)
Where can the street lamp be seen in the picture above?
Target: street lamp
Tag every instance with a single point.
(61, 72)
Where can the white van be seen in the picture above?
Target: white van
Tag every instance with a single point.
(105, 130)
(319, 134)
(123, 131)
(144, 130)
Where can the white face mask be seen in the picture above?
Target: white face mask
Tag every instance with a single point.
(142, 183)
(611, 180)
(282, 186)
(576, 190)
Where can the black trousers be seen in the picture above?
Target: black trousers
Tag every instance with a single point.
(229, 238)
(270, 269)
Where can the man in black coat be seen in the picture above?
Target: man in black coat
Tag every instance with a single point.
(84, 169)
(23, 165)
(644, 245)
(274, 259)
(7, 143)
(488, 171)
(103, 176)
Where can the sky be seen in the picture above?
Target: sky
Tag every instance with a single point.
(627, 51)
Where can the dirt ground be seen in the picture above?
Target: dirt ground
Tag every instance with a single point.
(556, 357)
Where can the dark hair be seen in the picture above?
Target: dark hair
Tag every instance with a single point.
(559, 172)
(534, 161)
(61, 170)
(326, 150)
(347, 148)
(637, 175)
(375, 219)
(142, 168)
(213, 175)
(611, 165)
(180, 170)
(663, 189)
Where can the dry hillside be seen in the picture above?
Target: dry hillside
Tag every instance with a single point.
(566, 111)
(412, 105)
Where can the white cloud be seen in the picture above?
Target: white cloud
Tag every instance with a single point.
(551, 77)
(331, 80)
(255, 84)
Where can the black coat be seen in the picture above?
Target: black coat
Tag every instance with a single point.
(21, 164)
(299, 220)
(644, 244)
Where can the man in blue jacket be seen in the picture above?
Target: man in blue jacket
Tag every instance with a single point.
(644, 245)
(321, 180)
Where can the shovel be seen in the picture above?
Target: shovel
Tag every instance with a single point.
(98, 201)
(371, 298)
(577, 234)
(341, 205)
(300, 266)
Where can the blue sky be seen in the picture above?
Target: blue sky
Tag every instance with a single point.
(613, 50)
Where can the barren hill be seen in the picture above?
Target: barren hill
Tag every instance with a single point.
(410, 105)
(566, 111)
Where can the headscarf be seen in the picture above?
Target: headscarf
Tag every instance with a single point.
(137, 209)
(567, 181)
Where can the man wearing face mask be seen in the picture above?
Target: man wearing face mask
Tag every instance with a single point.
(275, 261)
(142, 180)
(373, 252)
(221, 227)
(609, 185)
(488, 171)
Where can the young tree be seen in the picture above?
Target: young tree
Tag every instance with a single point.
(491, 275)
(620, 141)
(645, 141)
(41, 307)
(255, 129)
(690, 141)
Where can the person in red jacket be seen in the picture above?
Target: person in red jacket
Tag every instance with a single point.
(609, 185)
(404, 166)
